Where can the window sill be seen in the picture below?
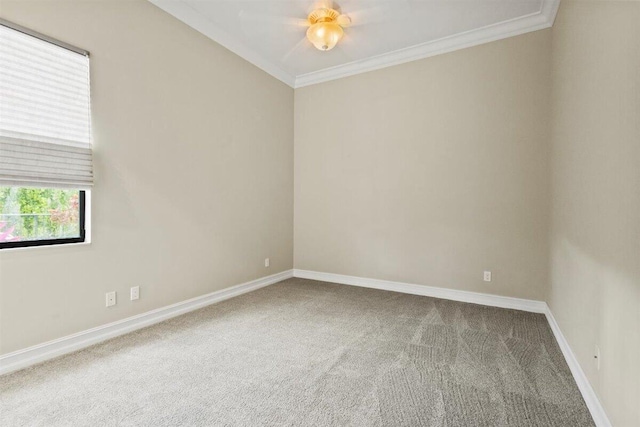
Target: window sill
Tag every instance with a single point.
(43, 247)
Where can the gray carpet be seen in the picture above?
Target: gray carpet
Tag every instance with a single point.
(310, 353)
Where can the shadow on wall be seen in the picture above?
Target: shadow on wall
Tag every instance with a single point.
(598, 307)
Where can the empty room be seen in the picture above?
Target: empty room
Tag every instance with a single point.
(316, 213)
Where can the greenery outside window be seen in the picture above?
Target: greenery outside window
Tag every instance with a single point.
(46, 154)
(41, 216)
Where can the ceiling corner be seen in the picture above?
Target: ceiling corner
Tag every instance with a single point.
(514, 27)
(544, 18)
(185, 13)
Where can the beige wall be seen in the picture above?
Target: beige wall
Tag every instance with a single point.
(595, 244)
(518, 156)
(193, 165)
(430, 172)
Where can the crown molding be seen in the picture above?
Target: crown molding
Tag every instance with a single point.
(502, 30)
(198, 22)
(521, 25)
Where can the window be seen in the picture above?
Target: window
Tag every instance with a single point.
(46, 166)
(41, 216)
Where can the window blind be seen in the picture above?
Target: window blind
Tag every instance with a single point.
(45, 123)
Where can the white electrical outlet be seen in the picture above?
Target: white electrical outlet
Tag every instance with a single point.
(135, 293)
(266, 262)
(597, 357)
(111, 299)
(487, 276)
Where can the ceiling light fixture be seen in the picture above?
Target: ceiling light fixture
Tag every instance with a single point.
(326, 28)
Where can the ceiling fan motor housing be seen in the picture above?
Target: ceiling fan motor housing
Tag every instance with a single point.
(323, 15)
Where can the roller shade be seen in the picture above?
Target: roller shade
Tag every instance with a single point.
(45, 125)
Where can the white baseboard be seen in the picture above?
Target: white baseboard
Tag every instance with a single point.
(595, 408)
(588, 394)
(428, 291)
(39, 353)
(32, 355)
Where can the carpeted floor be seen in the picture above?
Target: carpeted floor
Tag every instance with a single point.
(309, 353)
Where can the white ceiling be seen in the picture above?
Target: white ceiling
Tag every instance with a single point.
(271, 33)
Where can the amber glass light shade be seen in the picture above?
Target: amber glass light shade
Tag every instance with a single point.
(325, 35)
